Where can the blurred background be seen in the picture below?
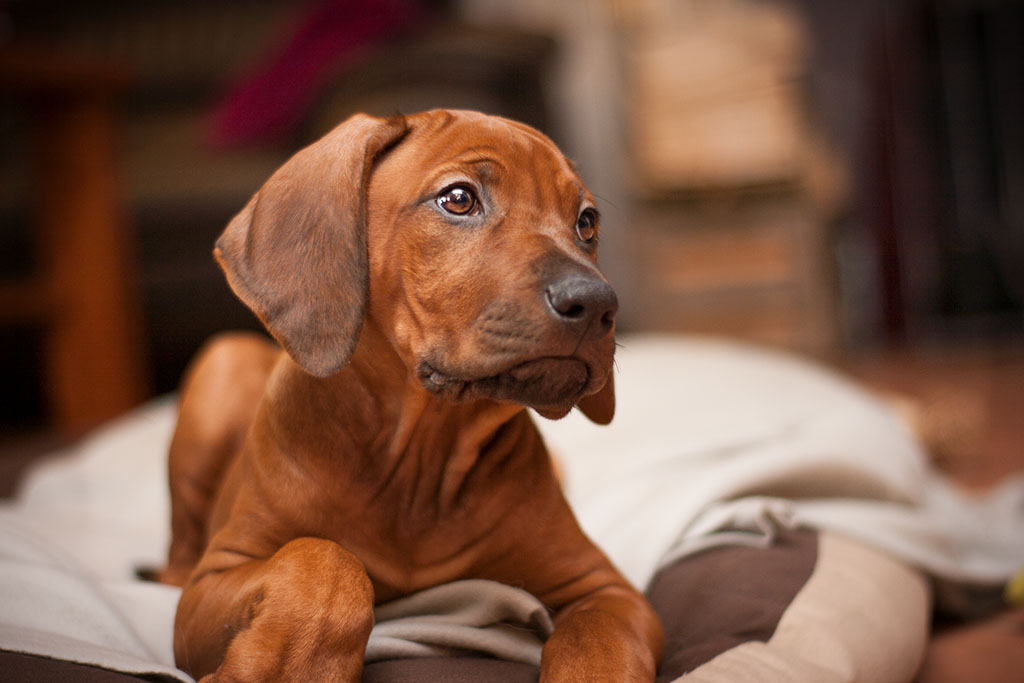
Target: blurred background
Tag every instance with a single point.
(844, 179)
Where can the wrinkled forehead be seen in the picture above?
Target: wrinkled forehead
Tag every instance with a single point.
(493, 146)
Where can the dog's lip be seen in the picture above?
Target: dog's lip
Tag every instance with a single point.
(440, 377)
(440, 382)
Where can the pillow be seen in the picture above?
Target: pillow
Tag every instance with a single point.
(814, 606)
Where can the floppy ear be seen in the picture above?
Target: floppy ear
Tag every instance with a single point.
(296, 254)
(600, 406)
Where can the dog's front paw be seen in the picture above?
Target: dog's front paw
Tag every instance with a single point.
(592, 646)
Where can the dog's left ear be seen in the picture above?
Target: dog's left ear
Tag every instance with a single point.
(296, 254)
(600, 406)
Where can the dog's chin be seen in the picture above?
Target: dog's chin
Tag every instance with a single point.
(551, 386)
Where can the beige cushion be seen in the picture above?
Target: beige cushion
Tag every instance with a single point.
(862, 616)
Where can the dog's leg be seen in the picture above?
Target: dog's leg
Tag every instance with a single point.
(220, 395)
(304, 614)
(612, 635)
(605, 630)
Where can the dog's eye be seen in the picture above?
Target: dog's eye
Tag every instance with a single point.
(458, 200)
(586, 226)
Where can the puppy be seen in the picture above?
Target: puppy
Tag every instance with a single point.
(427, 277)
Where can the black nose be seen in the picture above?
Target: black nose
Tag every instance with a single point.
(583, 301)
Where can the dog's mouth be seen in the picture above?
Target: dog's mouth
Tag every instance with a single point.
(543, 383)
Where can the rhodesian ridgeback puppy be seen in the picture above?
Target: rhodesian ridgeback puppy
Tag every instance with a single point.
(428, 277)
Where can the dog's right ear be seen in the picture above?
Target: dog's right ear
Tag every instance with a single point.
(296, 254)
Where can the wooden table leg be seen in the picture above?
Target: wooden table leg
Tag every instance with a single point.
(93, 355)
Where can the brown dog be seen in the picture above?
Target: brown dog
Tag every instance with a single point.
(428, 277)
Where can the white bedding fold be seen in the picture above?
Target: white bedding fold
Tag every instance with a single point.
(712, 436)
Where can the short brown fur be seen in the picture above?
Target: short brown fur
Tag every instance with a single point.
(389, 450)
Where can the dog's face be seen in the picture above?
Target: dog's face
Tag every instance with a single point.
(468, 239)
(482, 263)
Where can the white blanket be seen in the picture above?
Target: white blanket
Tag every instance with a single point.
(719, 442)
(713, 443)
(69, 544)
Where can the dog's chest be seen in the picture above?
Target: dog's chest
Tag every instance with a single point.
(409, 537)
(439, 510)
(406, 550)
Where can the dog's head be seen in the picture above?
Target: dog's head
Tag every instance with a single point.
(469, 240)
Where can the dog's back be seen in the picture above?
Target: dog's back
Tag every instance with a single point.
(219, 398)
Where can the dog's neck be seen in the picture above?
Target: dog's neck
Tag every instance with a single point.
(379, 410)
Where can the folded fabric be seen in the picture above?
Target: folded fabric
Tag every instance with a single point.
(464, 617)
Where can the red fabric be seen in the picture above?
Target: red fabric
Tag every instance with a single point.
(271, 100)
